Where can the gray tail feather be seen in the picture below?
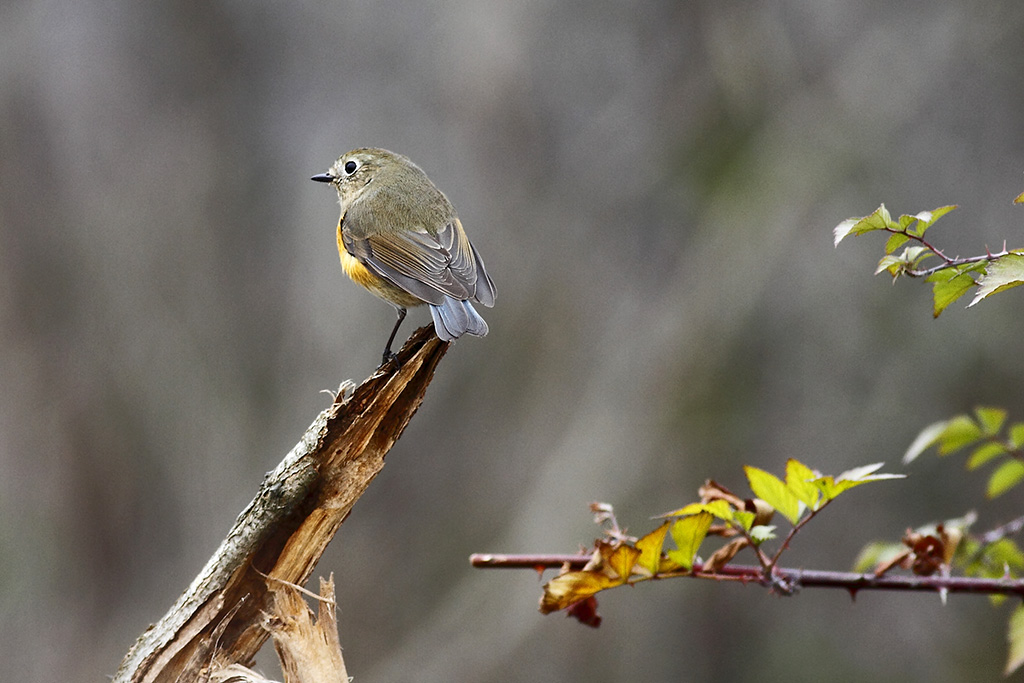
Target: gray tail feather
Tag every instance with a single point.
(454, 318)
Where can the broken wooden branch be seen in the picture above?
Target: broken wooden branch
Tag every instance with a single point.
(221, 618)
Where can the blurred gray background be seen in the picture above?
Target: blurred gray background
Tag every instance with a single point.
(653, 187)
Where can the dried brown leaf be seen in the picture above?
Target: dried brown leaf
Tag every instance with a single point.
(724, 555)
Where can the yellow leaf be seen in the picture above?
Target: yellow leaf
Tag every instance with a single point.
(650, 548)
(798, 478)
(571, 587)
(719, 508)
(620, 561)
(689, 533)
(773, 491)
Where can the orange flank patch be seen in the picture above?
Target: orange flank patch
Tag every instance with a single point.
(361, 275)
(357, 271)
(354, 269)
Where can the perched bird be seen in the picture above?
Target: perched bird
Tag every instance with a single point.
(400, 238)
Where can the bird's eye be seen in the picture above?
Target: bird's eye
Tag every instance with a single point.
(350, 167)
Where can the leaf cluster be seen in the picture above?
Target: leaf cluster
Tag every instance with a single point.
(907, 249)
(946, 546)
(989, 560)
(949, 546)
(619, 560)
(982, 432)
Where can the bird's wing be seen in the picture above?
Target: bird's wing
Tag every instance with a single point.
(425, 266)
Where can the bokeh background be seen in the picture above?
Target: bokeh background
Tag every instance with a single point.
(653, 187)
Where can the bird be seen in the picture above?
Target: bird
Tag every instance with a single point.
(400, 238)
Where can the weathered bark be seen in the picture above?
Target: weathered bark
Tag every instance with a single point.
(278, 539)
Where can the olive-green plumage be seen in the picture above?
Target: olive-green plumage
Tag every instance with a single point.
(400, 238)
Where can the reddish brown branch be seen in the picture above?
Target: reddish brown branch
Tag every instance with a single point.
(798, 578)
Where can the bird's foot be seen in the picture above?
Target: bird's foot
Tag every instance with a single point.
(390, 357)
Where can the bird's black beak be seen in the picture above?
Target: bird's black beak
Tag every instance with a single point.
(323, 178)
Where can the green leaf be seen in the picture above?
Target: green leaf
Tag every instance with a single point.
(914, 255)
(1002, 274)
(875, 553)
(895, 265)
(960, 431)
(1005, 477)
(925, 440)
(985, 561)
(798, 480)
(950, 285)
(689, 533)
(905, 221)
(996, 560)
(773, 491)
(926, 219)
(1017, 434)
(879, 220)
(983, 454)
(940, 212)
(761, 533)
(896, 240)
(907, 260)
(1015, 636)
(1002, 555)
(745, 519)
(990, 419)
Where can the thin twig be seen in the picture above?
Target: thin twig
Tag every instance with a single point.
(947, 262)
(1001, 532)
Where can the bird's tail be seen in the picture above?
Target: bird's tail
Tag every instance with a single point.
(454, 318)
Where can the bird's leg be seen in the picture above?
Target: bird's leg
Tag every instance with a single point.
(388, 353)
